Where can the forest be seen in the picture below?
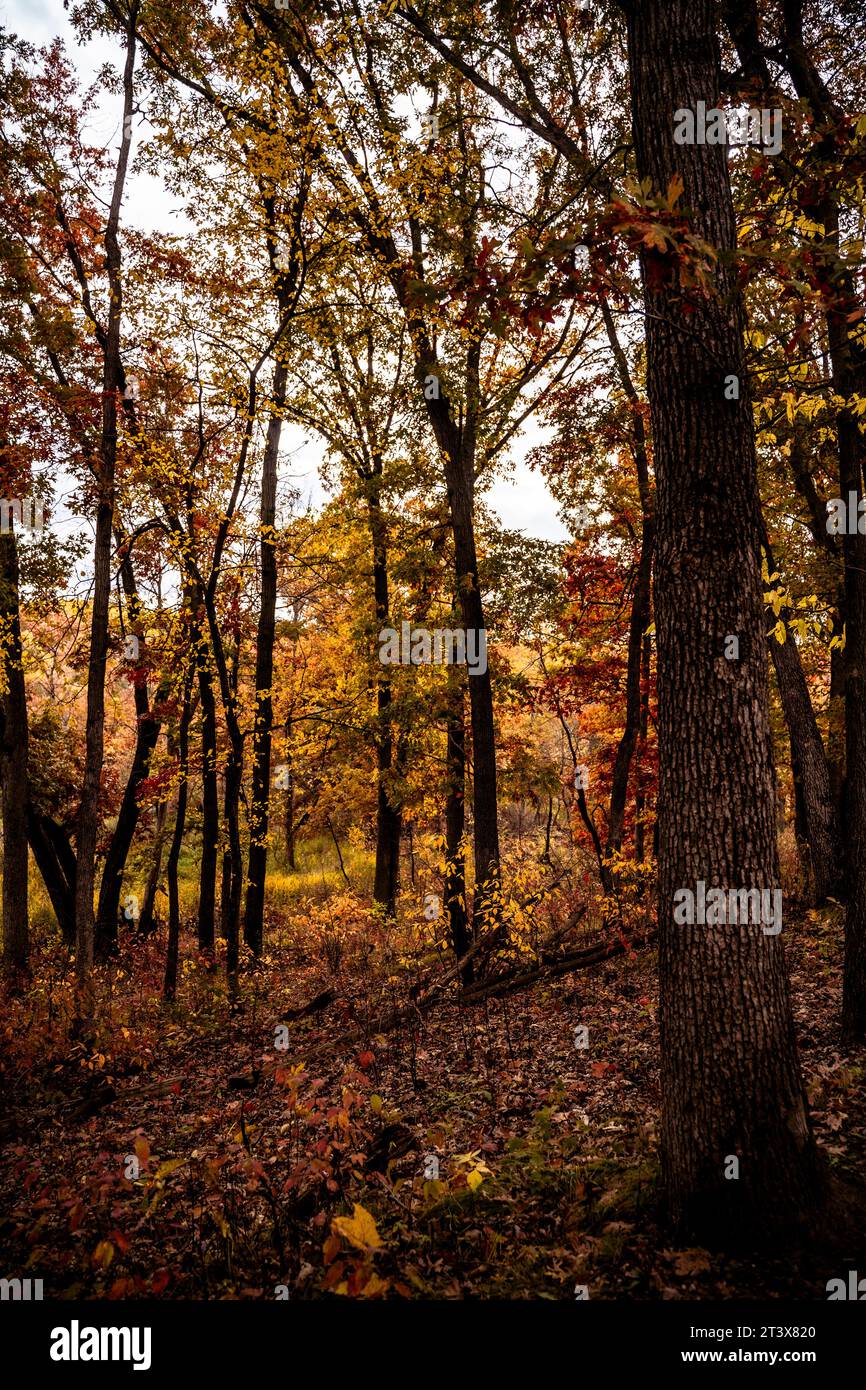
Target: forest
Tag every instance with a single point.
(433, 651)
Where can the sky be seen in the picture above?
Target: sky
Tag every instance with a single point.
(519, 496)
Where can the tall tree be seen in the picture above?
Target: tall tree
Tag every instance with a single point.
(824, 173)
(731, 1082)
(13, 763)
(112, 385)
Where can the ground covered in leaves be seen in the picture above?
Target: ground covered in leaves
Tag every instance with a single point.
(471, 1151)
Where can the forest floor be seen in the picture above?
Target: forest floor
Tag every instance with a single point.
(183, 1155)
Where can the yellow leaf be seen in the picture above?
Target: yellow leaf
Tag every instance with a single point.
(474, 1179)
(375, 1104)
(359, 1229)
(169, 1166)
(375, 1286)
(104, 1253)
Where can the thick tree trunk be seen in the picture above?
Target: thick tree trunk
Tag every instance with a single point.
(260, 803)
(731, 1085)
(13, 769)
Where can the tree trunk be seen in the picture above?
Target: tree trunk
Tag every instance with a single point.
(640, 607)
(836, 719)
(484, 807)
(812, 773)
(127, 820)
(643, 732)
(731, 1085)
(13, 769)
(55, 860)
(233, 775)
(455, 820)
(112, 378)
(851, 460)
(145, 921)
(848, 362)
(289, 809)
(389, 820)
(231, 810)
(170, 982)
(210, 814)
(260, 804)
(809, 761)
(843, 310)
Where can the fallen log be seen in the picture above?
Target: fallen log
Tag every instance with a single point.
(420, 1005)
(315, 1006)
(561, 965)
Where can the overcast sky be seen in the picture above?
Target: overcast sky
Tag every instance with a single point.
(521, 499)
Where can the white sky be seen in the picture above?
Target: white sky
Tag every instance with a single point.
(520, 498)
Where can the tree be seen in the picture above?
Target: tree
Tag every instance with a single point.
(13, 764)
(724, 995)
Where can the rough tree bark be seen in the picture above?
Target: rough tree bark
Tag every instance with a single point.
(731, 1083)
